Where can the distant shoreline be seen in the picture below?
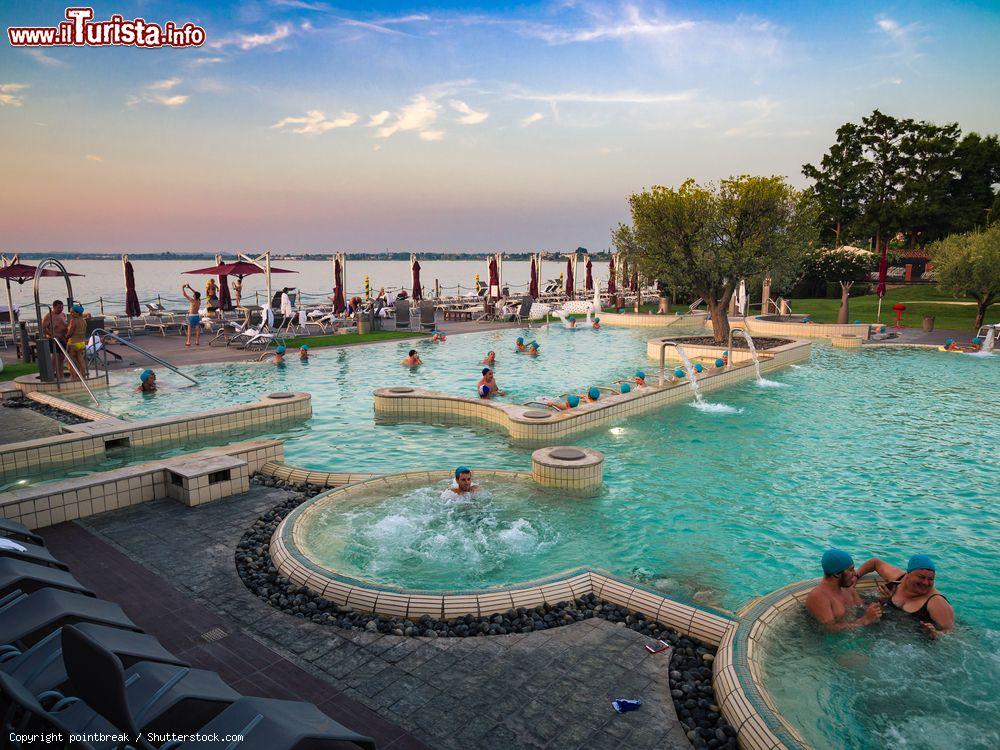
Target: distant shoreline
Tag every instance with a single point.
(398, 256)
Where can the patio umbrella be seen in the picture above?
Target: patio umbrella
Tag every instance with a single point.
(883, 269)
(225, 301)
(417, 293)
(339, 305)
(612, 286)
(741, 297)
(18, 272)
(588, 283)
(494, 279)
(533, 285)
(132, 309)
(570, 281)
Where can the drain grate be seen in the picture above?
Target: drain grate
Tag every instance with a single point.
(213, 635)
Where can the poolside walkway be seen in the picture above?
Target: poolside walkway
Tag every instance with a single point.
(549, 689)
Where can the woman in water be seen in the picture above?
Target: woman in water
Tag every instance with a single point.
(304, 353)
(532, 349)
(912, 592)
(491, 358)
(519, 345)
(147, 382)
(279, 355)
(596, 325)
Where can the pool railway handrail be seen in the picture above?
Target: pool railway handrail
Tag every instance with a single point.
(542, 403)
(729, 343)
(75, 369)
(663, 357)
(102, 333)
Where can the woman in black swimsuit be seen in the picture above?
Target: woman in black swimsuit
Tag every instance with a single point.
(912, 592)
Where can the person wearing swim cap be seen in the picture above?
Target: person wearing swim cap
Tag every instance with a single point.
(304, 352)
(412, 359)
(519, 344)
(596, 325)
(593, 394)
(490, 382)
(836, 595)
(147, 382)
(76, 338)
(572, 321)
(532, 349)
(279, 355)
(912, 592)
(463, 481)
(640, 379)
(437, 336)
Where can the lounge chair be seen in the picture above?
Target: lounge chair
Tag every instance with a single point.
(428, 314)
(28, 577)
(26, 619)
(41, 667)
(100, 680)
(32, 553)
(230, 329)
(18, 531)
(489, 311)
(523, 314)
(402, 307)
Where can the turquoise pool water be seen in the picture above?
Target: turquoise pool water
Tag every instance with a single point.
(882, 451)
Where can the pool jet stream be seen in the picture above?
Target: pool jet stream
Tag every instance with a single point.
(688, 367)
(750, 345)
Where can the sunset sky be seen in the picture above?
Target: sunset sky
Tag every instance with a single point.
(304, 125)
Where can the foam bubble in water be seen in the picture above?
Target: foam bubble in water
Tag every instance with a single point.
(765, 383)
(716, 408)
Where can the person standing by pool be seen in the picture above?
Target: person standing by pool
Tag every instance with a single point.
(194, 314)
(211, 296)
(912, 592)
(54, 326)
(836, 594)
(412, 359)
(237, 293)
(147, 382)
(76, 338)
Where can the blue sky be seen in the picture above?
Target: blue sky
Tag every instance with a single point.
(312, 126)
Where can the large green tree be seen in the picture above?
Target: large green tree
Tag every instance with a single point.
(968, 265)
(708, 237)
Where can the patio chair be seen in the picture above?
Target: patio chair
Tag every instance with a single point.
(402, 307)
(489, 311)
(29, 577)
(41, 668)
(18, 531)
(428, 314)
(523, 313)
(26, 619)
(33, 553)
(230, 329)
(100, 680)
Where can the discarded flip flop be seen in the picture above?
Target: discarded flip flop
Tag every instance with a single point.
(623, 705)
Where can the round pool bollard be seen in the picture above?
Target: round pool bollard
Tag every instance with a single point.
(579, 470)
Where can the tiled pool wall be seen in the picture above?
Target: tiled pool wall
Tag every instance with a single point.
(579, 470)
(758, 327)
(204, 476)
(289, 553)
(738, 677)
(639, 320)
(32, 384)
(528, 425)
(91, 441)
(782, 354)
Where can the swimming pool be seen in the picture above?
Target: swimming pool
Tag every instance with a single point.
(881, 451)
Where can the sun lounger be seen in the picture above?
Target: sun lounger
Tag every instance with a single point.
(32, 553)
(15, 530)
(28, 577)
(26, 619)
(41, 667)
(102, 683)
(402, 308)
(523, 313)
(428, 313)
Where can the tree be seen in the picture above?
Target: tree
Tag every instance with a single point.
(968, 265)
(838, 183)
(928, 154)
(845, 265)
(708, 237)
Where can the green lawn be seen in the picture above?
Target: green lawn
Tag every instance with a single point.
(343, 339)
(16, 370)
(919, 300)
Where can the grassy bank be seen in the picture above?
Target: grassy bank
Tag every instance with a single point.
(344, 339)
(16, 370)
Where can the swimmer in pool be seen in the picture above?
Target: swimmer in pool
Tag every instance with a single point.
(836, 594)
(489, 381)
(532, 349)
(462, 487)
(491, 358)
(572, 321)
(412, 359)
(438, 337)
(520, 347)
(593, 394)
(596, 325)
(640, 379)
(147, 382)
(912, 592)
(279, 355)
(304, 353)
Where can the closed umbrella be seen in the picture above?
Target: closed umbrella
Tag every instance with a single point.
(132, 309)
(339, 305)
(612, 285)
(225, 301)
(883, 269)
(570, 281)
(589, 281)
(494, 290)
(533, 286)
(741, 297)
(417, 293)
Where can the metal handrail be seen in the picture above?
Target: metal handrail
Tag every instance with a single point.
(69, 361)
(729, 344)
(100, 332)
(663, 356)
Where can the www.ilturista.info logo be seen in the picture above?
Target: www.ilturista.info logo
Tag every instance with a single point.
(80, 30)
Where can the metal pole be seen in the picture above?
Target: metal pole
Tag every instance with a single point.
(10, 302)
(100, 301)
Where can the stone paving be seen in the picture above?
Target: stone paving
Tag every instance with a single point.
(17, 425)
(550, 689)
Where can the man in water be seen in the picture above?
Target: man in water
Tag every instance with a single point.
(490, 381)
(912, 592)
(836, 594)
(491, 358)
(412, 359)
(463, 481)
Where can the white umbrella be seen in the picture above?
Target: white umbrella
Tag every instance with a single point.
(741, 298)
(597, 296)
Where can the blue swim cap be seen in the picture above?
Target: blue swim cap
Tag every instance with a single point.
(571, 318)
(679, 372)
(725, 353)
(462, 470)
(836, 561)
(976, 340)
(484, 390)
(520, 340)
(640, 374)
(594, 392)
(920, 562)
(144, 375)
(626, 388)
(305, 346)
(857, 322)
(279, 349)
(77, 308)
(719, 363)
(948, 342)
(698, 367)
(573, 401)
(597, 320)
